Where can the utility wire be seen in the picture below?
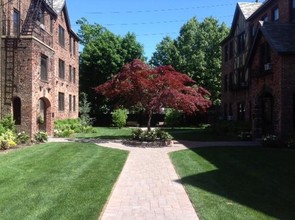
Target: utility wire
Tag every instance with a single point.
(159, 10)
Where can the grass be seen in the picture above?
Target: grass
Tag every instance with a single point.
(238, 183)
(107, 133)
(201, 133)
(58, 181)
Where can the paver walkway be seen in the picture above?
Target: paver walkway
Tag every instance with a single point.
(149, 188)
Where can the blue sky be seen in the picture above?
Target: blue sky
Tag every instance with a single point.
(150, 20)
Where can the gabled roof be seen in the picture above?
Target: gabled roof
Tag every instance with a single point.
(281, 37)
(59, 6)
(246, 9)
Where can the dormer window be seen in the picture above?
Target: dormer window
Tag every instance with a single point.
(276, 14)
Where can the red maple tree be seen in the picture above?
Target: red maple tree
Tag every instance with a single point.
(151, 89)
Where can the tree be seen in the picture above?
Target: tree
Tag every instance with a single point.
(196, 52)
(151, 89)
(104, 54)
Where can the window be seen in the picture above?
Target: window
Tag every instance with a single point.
(241, 42)
(70, 44)
(70, 73)
(293, 10)
(225, 83)
(61, 69)
(265, 57)
(17, 110)
(70, 103)
(74, 47)
(74, 75)
(276, 14)
(241, 111)
(231, 50)
(74, 103)
(16, 22)
(225, 111)
(51, 25)
(44, 69)
(61, 36)
(61, 101)
(226, 53)
(264, 18)
(41, 16)
(230, 110)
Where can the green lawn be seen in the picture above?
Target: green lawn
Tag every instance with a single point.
(107, 133)
(239, 183)
(199, 134)
(58, 181)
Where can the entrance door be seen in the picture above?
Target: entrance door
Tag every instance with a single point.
(42, 115)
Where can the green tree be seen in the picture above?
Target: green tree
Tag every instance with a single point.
(196, 52)
(104, 54)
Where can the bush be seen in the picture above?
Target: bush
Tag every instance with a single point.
(173, 118)
(67, 127)
(7, 140)
(119, 117)
(22, 138)
(7, 123)
(230, 127)
(150, 136)
(41, 137)
(271, 141)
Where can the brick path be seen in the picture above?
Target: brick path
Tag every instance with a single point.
(147, 188)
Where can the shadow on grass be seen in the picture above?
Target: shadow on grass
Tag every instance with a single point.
(262, 179)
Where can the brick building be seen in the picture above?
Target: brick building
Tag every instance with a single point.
(258, 67)
(39, 64)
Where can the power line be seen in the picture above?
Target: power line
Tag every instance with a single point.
(152, 22)
(160, 10)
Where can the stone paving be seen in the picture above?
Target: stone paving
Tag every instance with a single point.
(148, 187)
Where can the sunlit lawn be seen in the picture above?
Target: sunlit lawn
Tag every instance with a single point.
(239, 183)
(107, 133)
(58, 181)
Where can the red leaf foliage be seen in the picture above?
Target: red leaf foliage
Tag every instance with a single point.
(155, 88)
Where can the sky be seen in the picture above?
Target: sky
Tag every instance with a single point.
(150, 20)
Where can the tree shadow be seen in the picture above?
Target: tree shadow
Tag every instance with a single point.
(262, 179)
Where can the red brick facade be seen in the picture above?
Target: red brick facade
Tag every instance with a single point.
(45, 75)
(258, 67)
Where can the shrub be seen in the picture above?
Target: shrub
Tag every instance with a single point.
(173, 118)
(149, 136)
(271, 141)
(67, 127)
(8, 123)
(22, 138)
(119, 117)
(291, 143)
(7, 140)
(230, 127)
(41, 137)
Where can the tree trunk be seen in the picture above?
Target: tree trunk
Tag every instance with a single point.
(149, 120)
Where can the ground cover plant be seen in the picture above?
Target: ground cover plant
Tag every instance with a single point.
(238, 183)
(58, 181)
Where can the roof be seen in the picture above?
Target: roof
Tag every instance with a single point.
(58, 5)
(248, 8)
(281, 37)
